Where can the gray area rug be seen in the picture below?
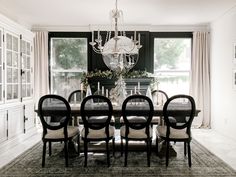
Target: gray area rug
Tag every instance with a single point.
(204, 164)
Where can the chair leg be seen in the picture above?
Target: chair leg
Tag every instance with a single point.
(121, 146)
(44, 153)
(113, 146)
(66, 152)
(189, 155)
(185, 148)
(78, 144)
(148, 152)
(85, 153)
(167, 152)
(108, 153)
(50, 148)
(126, 151)
(157, 145)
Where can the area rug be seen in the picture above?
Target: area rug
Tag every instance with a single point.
(204, 164)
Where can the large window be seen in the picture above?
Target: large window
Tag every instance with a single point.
(172, 63)
(68, 61)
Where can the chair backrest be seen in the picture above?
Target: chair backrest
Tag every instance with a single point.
(137, 112)
(159, 97)
(54, 112)
(179, 106)
(76, 96)
(96, 113)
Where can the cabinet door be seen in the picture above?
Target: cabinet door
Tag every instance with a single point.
(15, 121)
(12, 67)
(3, 125)
(1, 65)
(29, 116)
(27, 69)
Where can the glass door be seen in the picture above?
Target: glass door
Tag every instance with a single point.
(12, 67)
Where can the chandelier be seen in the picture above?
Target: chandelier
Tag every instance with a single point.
(119, 52)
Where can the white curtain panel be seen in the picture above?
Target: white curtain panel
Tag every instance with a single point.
(200, 78)
(41, 80)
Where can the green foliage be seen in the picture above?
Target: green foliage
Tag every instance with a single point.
(167, 52)
(70, 53)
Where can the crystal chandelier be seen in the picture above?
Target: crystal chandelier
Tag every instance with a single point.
(119, 52)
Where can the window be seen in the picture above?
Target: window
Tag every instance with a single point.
(68, 61)
(12, 67)
(172, 63)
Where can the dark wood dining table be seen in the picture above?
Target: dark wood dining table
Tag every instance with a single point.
(117, 111)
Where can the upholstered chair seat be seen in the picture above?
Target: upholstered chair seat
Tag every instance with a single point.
(174, 133)
(98, 134)
(136, 134)
(59, 134)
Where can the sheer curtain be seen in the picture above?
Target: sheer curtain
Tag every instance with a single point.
(41, 80)
(200, 78)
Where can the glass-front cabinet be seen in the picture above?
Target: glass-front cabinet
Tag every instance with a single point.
(17, 114)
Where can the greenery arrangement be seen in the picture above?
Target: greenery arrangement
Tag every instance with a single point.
(113, 75)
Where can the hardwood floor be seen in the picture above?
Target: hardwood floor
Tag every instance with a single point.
(223, 147)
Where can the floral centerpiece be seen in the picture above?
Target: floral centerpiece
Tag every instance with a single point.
(113, 75)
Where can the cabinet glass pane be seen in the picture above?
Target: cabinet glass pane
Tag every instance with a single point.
(24, 90)
(15, 91)
(0, 74)
(0, 92)
(28, 90)
(15, 59)
(9, 75)
(28, 76)
(23, 62)
(23, 47)
(28, 48)
(9, 92)
(28, 62)
(15, 44)
(9, 58)
(9, 41)
(1, 38)
(15, 76)
(0, 55)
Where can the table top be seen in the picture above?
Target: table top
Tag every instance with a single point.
(117, 111)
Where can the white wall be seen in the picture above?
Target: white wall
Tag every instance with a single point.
(223, 36)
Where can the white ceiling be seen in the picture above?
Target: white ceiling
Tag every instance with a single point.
(34, 13)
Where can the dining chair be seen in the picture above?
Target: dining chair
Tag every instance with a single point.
(159, 98)
(55, 113)
(177, 106)
(96, 113)
(137, 112)
(76, 97)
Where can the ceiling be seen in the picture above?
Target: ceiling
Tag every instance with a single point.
(33, 13)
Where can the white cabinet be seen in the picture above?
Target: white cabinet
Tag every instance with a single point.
(16, 80)
(15, 121)
(29, 116)
(3, 125)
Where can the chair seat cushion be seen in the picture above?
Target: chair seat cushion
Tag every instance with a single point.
(174, 133)
(135, 134)
(133, 119)
(59, 134)
(98, 134)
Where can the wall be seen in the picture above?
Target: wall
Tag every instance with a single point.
(223, 36)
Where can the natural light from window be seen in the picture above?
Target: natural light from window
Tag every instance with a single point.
(172, 63)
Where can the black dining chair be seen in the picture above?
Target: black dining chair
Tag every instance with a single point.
(178, 106)
(159, 98)
(96, 113)
(76, 97)
(137, 112)
(55, 113)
